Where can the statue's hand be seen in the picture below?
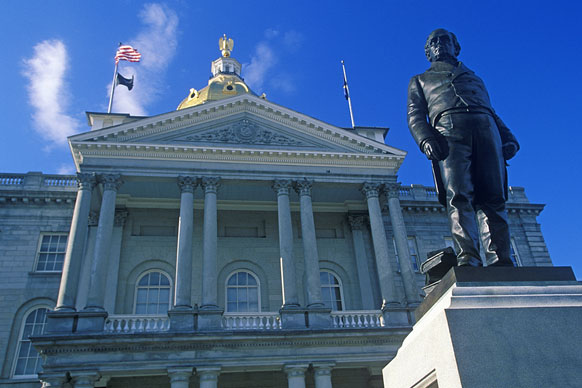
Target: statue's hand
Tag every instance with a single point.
(433, 150)
(509, 150)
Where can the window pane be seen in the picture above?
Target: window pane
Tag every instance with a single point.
(142, 295)
(164, 281)
(242, 278)
(242, 294)
(140, 308)
(153, 296)
(231, 307)
(154, 279)
(232, 280)
(28, 361)
(164, 295)
(252, 280)
(231, 294)
(145, 280)
(253, 295)
(324, 277)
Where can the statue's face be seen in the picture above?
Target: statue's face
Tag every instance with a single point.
(441, 46)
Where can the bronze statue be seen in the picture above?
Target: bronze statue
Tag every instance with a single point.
(451, 119)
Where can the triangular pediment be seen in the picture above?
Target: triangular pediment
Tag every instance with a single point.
(245, 122)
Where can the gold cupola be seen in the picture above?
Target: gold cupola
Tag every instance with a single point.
(225, 82)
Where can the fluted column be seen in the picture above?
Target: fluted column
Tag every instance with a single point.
(180, 377)
(76, 243)
(183, 291)
(310, 255)
(296, 375)
(288, 275)
(322, 374)
(208, 376)
(357, 224)
(401, 240)
(98, 278)
(385, 271)
(209, 265)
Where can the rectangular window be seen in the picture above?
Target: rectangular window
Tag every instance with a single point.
(51, 253)
(412, 251)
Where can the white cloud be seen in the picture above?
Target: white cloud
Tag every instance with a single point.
(66, 169)
(261, 72)
(261, 62)
(157, 44)
(48, 93)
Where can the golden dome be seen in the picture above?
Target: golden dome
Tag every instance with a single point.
(225, 82)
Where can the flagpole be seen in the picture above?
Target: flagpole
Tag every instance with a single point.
(112, 88)
(347, 91)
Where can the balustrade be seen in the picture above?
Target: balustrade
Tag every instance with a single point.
(136, 323)
(361, 319)
(251, 321)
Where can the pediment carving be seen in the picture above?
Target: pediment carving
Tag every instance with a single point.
(243, 132)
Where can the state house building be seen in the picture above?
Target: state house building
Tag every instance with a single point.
(231, 243)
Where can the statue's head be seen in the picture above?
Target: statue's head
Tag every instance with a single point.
(440, 45)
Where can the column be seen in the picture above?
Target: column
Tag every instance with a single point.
(209, 265)
(208, 376)
(385, 271)
(322, 374)
(183, 287)
(96, 297)
(401, 240)
(76, 243)
(296, 375)
(114, 258)
(310, 255)
(182, 315)
(180, 377)
(288, 275)
(356, 225)
(210, 315)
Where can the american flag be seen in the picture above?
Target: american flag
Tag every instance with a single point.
(127, 53)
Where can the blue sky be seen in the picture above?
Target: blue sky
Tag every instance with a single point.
(57, 63)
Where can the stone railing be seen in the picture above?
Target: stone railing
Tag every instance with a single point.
(60, 181)
(11, 179)
(136, 323)
(357, 319)
(251, 321)
(37, 181)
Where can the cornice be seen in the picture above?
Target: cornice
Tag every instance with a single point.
(66, 198)
(235, 155)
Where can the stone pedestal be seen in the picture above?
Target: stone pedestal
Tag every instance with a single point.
(494, 327)
(210, 318)
(91, 321)
(318, 318)
(292, 318)
(183, 319)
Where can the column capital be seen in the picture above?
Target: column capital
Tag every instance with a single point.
(208, 373)
(187, 184)
(303, 187)
(323, 368)
(86, 180)
(371, 189)
(180, 374)
(111, 181)
(120, 217)
(357, 222)
(282, 186)
(392, 189)
(294, 370)
(86, 379)
(210, 184)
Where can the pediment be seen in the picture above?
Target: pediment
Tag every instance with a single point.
(241, 122)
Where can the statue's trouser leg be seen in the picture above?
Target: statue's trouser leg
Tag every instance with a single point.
(490, 195)
(456, 172)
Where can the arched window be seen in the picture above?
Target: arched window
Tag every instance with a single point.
(331, 291)
(28, 361)
(152, 294)
(242, 293)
